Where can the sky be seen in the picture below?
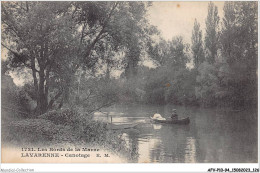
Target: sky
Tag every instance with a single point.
(177, 18)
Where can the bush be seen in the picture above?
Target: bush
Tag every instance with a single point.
(63, 117)
(30, 131)
(74, 126)
(93, 131)
(78, 126)
(69, 126)
(65, 134)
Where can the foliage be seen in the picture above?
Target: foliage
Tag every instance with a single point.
(206, 84)
(56, 41)
(230, 80)
(182, 89)
(39, 36)
(71, 49)
(14, 98)
(92, 93)
(93, 131)
(239, 49)
(29, 131)
(171, 81)
(212, 35)
(122, 25)
(177, 57)
(64, 117)
(65, 126)
(197, 45)
(156, 86)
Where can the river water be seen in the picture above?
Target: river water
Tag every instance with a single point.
(213, 135)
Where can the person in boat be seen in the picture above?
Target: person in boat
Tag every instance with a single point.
(174, 115)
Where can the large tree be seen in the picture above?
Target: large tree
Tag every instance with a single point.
(39, 36)
(178, 57)
(197, 45)
(212, 36)
(157, 51)
(239, 49)
(122, 24)
(55, 40)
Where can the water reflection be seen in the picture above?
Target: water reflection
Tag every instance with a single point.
(190, 150)
(212, 136)
(157, 126)
(150, 150)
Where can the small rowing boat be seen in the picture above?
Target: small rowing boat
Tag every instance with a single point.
(170, 121)
(120, 126)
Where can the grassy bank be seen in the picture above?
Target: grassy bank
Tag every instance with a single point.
(64, 127)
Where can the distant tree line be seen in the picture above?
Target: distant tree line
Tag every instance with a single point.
(224, 70)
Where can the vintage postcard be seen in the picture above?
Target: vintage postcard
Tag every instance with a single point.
(129, 82)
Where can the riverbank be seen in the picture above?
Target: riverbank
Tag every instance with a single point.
(62, 128)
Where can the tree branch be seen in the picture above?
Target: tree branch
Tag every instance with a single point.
(54, 98)
(21, 6)
(90, 47)
(105, 105)
(76, 8)
(27, 6)
(6, 18)
(87, 96)
(20, 56)
(82, 33)
(35, 80)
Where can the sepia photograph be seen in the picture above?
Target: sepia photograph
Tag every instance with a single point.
(129, 82)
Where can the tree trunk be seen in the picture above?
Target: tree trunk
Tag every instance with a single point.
(42, 100)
